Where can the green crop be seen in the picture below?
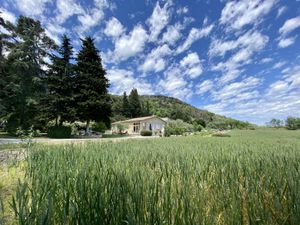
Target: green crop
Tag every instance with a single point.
(251, 177)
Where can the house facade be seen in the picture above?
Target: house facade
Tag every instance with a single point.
(136, 125)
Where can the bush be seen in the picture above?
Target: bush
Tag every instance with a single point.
(221, 135)
(99, 127)
(59, 132)
(178, 127)
(292, 123)
(146, 133)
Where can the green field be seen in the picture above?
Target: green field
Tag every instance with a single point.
(251, 177)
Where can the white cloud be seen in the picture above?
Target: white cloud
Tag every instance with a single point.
(182, 10)
(155, 59)
(266, 60)
(129, 45)
(89, 19)
(8, 16)
(204, 87)
(124, 80)
(172, 34)
(285, 42)
(191, 65)
(281, 10)
(158, 20)
(246, 46)
(279, 65)
(248, 40)
(279, 100)
(66, 9)
(290, 25)
(237, 14)
(114, 28)
(32, 7)
(54, 31)
(234, 89)
(194, 35)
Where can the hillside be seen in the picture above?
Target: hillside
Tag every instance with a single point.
(174, 108)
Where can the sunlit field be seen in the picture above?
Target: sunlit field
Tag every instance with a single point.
(251, 177)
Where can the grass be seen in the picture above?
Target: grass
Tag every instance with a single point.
(251, 177)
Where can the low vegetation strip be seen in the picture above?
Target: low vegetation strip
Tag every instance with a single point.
(251, 177)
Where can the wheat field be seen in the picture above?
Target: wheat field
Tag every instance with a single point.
(251, 177)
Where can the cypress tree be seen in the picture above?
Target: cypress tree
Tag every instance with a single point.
(59, 101)
(134, 104)
(91, 94)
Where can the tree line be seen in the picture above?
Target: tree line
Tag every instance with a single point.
(42, 82)
(291, 123)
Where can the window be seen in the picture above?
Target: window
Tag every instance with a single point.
(136, 127)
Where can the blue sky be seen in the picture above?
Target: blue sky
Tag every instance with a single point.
(236, 58)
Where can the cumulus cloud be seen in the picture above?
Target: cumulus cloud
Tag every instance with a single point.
(191, 65)
(182, 10)
(237, 14)
(54, 31)
(178, 78)
(194, 35)
(114, 28)
(172, 35)
(174, 84)
(66, 9)
(290, 25)
(204, 87)
(158, 20)
(281, 98)
(155, 59)
(8, 16)
(285, 42)
(266, 60)
(245, 46)
(130, 45)
(219, 47)
(32, 7)
(89, 19)
(124, 80)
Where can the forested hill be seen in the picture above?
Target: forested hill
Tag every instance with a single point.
(174, 108)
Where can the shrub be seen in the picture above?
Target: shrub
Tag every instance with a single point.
(221, 135)
(292, 123)
(178, 127)
(146, 133)
(121, 128)
(99, 127)
(59, 131)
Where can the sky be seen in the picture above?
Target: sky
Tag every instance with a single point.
(236, 58)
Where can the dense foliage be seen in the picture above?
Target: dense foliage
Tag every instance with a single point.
(172, 108)
(146, 133)
(59, 131)
(178, 127)
(34, 92)
(293, 123)
(182, 180)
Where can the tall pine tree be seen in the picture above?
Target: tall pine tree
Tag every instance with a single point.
(91, 94)
(60, 100)
(25, 71)
(125, 106)
(7, 42)
(134, 104)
